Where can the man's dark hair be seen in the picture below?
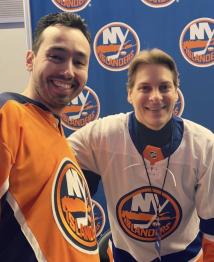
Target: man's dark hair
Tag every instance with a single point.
(65, 19)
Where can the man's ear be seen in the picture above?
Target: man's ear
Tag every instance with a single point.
(29, 60)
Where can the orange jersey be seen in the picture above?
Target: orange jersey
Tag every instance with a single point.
(46, 211)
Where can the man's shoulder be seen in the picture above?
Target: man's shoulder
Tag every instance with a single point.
(10, 97)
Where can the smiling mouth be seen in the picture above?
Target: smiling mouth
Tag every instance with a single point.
(62, 84)
(155, 109)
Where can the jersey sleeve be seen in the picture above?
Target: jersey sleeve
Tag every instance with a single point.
(208, 248)
(85, 143)
(205, 188)
(5, 166)
(8, 145)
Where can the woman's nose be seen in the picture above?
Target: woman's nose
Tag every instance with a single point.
(155, 95)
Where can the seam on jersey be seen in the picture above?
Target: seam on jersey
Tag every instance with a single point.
(4, 188)
(25, 229)
(20, 99)
(4, 145)
(195, 259)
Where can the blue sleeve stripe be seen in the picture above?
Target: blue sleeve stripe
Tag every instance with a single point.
(207, 226)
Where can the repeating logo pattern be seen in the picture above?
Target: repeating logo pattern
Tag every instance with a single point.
(99, 217)
(115, 45)
(197, 42)
(71, 5)
(72, 207)
(81, 110)
(158, 3)
(179, 106)
(137, 214)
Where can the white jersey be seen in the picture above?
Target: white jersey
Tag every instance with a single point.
(105, 147)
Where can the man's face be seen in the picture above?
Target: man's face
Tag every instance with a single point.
(153, 95)
(59, 70)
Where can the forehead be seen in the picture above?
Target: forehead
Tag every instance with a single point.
(64, 37)
(153, 72)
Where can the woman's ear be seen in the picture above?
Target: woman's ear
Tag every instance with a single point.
(176, 94)
(129, 97)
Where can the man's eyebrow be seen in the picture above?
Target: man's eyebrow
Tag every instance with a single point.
(60, 49)
(64, 50)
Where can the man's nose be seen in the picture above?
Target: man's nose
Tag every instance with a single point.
(69, 70)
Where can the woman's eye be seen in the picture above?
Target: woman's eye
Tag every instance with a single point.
(145, 88)
(163, 88)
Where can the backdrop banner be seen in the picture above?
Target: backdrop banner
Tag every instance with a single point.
(119, 29)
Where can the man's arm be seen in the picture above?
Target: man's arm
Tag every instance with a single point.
(86, 146)
(8, 146)
(204, 207)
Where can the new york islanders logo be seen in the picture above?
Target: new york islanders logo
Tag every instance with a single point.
(158, 3)
(99, 217)
(81, 110)
(137, 214)
(115, 45)
(72, 207)
(179, 106)
(71, 5)
(197, 42)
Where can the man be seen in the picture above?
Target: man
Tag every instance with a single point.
(157, 169)
(46, 212)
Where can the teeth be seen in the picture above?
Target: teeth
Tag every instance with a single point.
(156, 109)
(61, 84)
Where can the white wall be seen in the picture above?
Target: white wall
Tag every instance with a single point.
(13, 47)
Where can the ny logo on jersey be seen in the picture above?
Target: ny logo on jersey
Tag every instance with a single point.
(72, 207)
(138, 217)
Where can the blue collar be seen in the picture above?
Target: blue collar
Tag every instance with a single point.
(169, 136)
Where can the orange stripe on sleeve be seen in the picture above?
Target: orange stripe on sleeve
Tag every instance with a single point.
(110, 255)
(208, 250)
